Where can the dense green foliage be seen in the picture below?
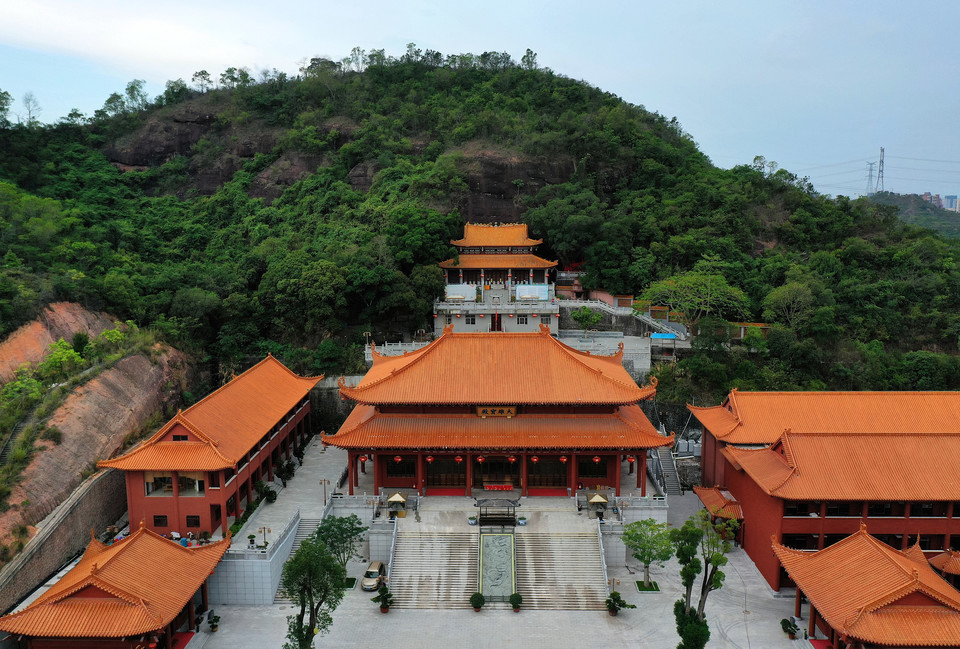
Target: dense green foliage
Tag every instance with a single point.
(859, 299)
(916, 211)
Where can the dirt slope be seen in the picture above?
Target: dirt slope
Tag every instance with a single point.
(29, 343)
(94, 421)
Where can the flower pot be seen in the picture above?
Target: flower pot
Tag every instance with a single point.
(213, 628)
(793, 636)
(612, 611)
(476, 608)
(384, 609)
(516, 610)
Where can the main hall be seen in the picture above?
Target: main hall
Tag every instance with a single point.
(497, 412)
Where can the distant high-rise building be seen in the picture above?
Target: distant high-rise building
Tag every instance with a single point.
(950, 202)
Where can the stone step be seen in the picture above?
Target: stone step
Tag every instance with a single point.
(560, 571)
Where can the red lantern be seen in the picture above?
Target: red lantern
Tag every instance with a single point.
(480, 459)
(555, 315)
(511, 315)
(458, 459)
(631, 459)
(563, 459)
(397, 459)
(596, 459)
(362, 458)
(458, 315)
(481, 315)
(534, 315)
(429, 459)
(511, 459)
(435, 315)
(534, 459)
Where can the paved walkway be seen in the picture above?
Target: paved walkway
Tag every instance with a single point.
(744, 614)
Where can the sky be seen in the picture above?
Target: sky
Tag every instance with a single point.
(816, 86)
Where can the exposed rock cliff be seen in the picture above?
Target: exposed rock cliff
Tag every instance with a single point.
(30, 343)
(94, 421)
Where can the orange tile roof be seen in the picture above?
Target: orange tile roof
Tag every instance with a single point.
(136, 586)
(718, 504)
(948, 562)
(498, 261)
(867, 590)
(832, 466)
(511, 234)
(367, 428)
(760, 417)
(224, 425)
(500, 369)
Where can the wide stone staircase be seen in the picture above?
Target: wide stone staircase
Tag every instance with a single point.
(560, 571)
(305, 529)
(434, 569)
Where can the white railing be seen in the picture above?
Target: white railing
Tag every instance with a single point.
(603, 557)
(660, 325)
(393, 551)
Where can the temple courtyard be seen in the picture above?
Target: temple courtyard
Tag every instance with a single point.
(744, 613)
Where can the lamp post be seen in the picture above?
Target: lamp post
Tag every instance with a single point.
(323, 483)
(265, 531)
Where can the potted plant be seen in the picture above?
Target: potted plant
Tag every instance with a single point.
(204, 538)
(522, 520)
(253, 540)
(515, 601)
(214, 622)
(615, 603)
(384, 598)
(472, 520)
(789, 627)
(477, 600)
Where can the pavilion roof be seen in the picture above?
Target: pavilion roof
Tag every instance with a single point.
(519, 261)
(867, 590)
(948, 562)
(760, 417)
(718, 504)
(627, 428)
(497, 369)
(223, 426)
(855, 466)
(132, 587)
(511, 234)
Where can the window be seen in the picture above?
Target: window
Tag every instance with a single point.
(471, 319)
(193, 521)
(179, 438)
(846, 508)
(449, 319)
(801, 508)
(405, 468)
(157, 484)
(191, 484)
(886, 509)
(521, 319)
(801, 541)
(213, 479)
(928, 510)
(159, 521)
(545, 320)
(931, 541)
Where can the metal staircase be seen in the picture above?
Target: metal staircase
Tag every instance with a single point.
(670, 476)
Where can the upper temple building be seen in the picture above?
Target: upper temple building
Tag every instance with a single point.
(496, 283)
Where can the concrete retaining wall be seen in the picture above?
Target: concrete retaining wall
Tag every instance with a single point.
(100, 501)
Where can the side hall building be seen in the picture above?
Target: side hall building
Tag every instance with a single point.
(807, 468)
(133, 594)
(497, 411)
(197, 472)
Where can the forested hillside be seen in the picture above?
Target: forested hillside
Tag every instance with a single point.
(294, 214)
(916, 211)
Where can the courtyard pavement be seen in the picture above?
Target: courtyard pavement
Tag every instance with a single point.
(744, 614)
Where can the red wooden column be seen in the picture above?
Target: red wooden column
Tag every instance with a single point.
(812, 629)
(796, 604)
(356, 472)
(642, 473)
(168, 632)
(351, 469)
(524, 474)
(420, 479)
(376, 472)
(191, 615)
(205, 595)
(270, 467)
(468, 458)
(572, 473)
(618, 460)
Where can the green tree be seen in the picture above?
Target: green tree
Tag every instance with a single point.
(694, 295)
(313, 579)
(586, 318)
(6, 100)
(202, 80)
(791, 304)
(61, 361)
(342, 535)
(649, 541)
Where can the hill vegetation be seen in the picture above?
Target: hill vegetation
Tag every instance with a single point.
(293, 214)
(916, 211)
